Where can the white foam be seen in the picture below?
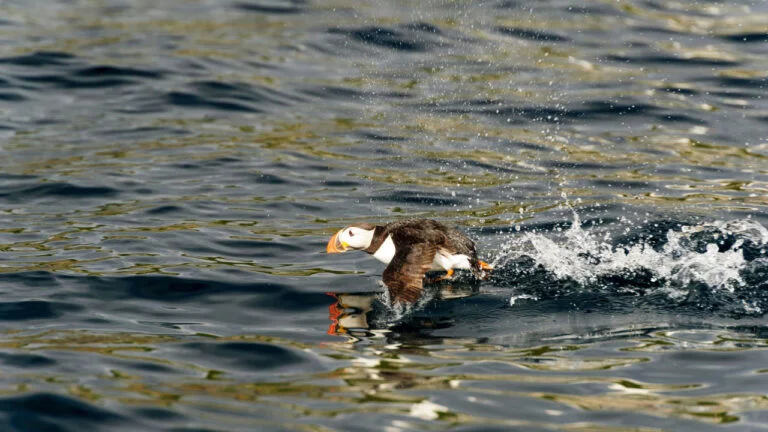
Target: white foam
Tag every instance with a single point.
(515, 298)
(584, 256)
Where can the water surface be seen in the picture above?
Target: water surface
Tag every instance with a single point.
(172, 170)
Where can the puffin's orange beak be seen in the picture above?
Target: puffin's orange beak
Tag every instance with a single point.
(335, 246)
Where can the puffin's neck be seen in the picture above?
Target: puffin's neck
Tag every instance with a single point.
(379, 235)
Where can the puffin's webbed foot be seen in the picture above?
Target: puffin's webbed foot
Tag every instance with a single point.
(485, 270)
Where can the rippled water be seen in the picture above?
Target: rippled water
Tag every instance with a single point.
(172, 170)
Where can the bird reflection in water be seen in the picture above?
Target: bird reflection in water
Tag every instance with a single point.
(356, 314)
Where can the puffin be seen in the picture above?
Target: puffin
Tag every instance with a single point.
(411, 248)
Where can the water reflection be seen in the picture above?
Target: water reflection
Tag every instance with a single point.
(357, 314)
(349, 313)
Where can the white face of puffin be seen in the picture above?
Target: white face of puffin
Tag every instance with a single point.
(351, 237)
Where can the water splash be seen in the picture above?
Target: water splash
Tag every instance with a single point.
(396, 311)
(717, 254)
(515, 298)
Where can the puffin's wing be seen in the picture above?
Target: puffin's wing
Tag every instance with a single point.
(404, 276)
(461, 242)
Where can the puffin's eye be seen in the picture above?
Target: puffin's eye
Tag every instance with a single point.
(351, 234)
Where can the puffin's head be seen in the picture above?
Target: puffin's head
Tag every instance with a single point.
(356, 237)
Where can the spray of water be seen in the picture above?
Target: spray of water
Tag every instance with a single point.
(707, 253)
(396, 311)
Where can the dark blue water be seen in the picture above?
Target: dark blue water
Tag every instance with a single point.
(171, 172)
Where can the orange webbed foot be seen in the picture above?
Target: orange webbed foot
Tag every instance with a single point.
(486, 270)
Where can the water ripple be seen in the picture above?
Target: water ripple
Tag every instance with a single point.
(533, 35)
(46, 411)
(22, 193)
(412, 38)
(40, 59)
(274, 7)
